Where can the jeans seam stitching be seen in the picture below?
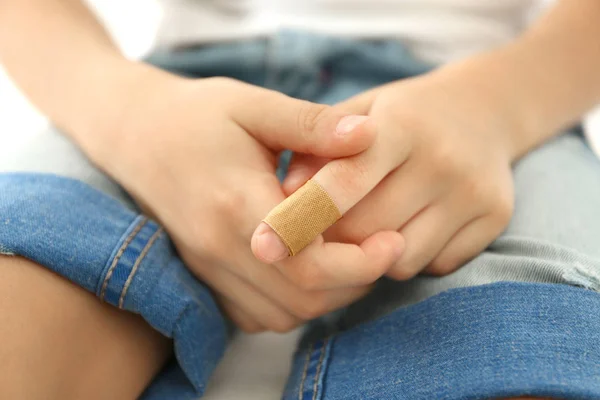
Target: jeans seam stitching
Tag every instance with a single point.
(119, 254)
(318, 372)
(305, 372)
(137, 264)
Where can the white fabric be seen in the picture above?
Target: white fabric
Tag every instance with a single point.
(436, 30)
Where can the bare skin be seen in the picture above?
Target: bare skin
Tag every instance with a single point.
(447, 139)
(61, 342)
(69, 343)
(77, 77)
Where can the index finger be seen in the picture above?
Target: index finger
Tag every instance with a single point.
(334, 189)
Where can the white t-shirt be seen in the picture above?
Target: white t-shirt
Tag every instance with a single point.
(435, 30)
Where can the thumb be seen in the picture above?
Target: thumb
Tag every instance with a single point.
(281, 122)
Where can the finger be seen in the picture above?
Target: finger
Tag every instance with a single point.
(324, 265)
(336, 188)
(347, 170)
(426, 235)
(390, 205)
(348, 180)
(360, 104)
(469, 242)
(249, 300)
(315, 304)
(240, 318)
(301, 169)
(281, 122)
(305, 305)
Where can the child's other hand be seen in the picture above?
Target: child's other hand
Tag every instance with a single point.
(439, 173)
(200, 155)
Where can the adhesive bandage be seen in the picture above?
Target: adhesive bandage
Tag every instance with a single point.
(300, 218)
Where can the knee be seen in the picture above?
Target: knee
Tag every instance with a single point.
(59, 341)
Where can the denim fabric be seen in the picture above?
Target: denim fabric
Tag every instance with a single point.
(492, 341)
(124, 258)
(463, 336)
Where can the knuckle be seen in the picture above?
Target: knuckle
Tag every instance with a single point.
(229, 202)
(373, 274)
(442, 266)
(250, 328)
(283, 324)
(450, 167)
(499, 208)
(308, 279)
(474, 190)
(443, 158)
(504, 210)
(310, 117)
(311, 308)
(348, 230)
(351, 175)
(493, 201)
(401, 273)
(304, 272)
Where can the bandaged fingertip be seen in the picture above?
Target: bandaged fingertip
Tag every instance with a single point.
(303, 216)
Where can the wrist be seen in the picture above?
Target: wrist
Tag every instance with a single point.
(521, 99)
(472, 89)
(106, 130)
(497, 84)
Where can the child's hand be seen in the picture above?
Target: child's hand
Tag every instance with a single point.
(201, 155)
(439, 173)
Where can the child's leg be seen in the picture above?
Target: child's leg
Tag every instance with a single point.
(521, 319)
(59, 342)
(61, 213)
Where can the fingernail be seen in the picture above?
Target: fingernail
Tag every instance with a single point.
(348, 123)
(269, 246)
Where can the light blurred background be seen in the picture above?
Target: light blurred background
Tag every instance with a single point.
(18, 119)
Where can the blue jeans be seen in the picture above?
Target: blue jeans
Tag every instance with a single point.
(521, 318)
